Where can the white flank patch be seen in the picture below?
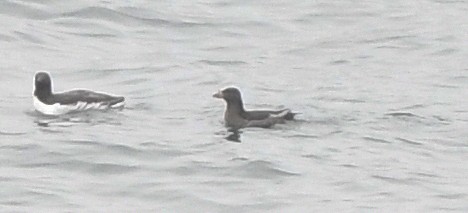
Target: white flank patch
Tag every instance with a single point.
(118, 105)
(58, 109)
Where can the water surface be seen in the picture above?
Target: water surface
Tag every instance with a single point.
(381, 86)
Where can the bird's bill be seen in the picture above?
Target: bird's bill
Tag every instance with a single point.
(219, 94)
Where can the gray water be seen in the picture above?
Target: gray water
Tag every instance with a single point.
(382, 87)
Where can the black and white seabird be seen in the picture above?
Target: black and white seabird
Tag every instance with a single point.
(50, 103)
(237, 117)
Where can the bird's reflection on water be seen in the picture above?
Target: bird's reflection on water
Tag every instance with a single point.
(88, 117)
(234, 136)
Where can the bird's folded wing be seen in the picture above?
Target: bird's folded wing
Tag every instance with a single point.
(74, 96)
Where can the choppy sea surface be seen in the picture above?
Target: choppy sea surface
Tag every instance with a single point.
(382, 88)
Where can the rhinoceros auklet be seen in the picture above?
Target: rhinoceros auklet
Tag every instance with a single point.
(237, 117)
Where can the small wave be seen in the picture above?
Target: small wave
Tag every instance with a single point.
(111, 15)
(388, 47)
(12, 133)
(426, 175)
(267, 88)
(16, 203)
(339, 62)
(402, 114)
(119, 149)
(36, 165)
(335, 132)
(80, 142)
(339, 99)
(95, 168)
(393, 179)
(347, 165)
(452, 196)
(222, 62)
(91, 74)
(305, 136)
(418, 119)
(22, 147)
(415, 106)
(93, 35)
(313, 156)
(445, 52)
(123, 149)
(409, 141)
(460, 77)
(128, 17)
(441, 119)
(378, 140)
(388, 39)
(208, 82)
(135, 81)
(262, 169)
(446, 86)
(111, 168)
(141, 106)
(462, 2)
(24, 9)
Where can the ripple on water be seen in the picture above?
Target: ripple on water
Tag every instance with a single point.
(162, 153)
(12, 133)
(340, 62)
(111, 168)
(123, 149)
(95, 168)
(452, 196)
(406, 181)
(129, 17)
(222, 62)
(303, 136)
(21, 147)
(377, 140)
(260, 169)
(402, 114)
(26, 10)
(411, 142)
(111, 15)
(313, 156)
